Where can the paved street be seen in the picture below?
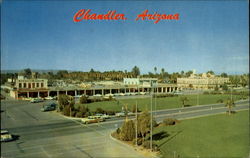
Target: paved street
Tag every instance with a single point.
(48, 134)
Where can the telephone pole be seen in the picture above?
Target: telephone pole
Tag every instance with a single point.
(136, 123)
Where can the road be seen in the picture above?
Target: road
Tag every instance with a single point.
(48, 134)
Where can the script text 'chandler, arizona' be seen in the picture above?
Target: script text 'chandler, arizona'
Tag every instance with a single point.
(112, 15)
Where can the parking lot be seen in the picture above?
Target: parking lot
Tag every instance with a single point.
(48, 134)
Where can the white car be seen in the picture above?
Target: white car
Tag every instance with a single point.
(142, 93)
(120, 114)
(97, 95)
(127, 94)
(6, 136)
(48, 98)
(121, 94)
(103, 116)
(117, 94)
(36, 100)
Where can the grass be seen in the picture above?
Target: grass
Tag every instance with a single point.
(162, 103)
(221, 136)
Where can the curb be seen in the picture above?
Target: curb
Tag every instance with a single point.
(131, 147)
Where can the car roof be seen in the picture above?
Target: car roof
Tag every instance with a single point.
(4, 131)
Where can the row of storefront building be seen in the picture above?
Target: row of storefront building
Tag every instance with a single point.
(32, 88)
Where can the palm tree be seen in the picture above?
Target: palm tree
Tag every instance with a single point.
(183, 100)
(229, 104)
(162, 72)
(155, 68)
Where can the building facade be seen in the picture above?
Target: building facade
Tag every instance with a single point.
(33, 88)
(205, 81)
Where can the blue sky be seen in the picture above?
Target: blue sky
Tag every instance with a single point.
(210, 35)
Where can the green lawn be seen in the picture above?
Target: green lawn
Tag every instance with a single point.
(213, 136)
(162, 103)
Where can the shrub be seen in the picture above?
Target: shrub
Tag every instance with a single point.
(110, 112)
(100, 110)
(66, 110)
(79, 114)
(128, 131)
(146, 144)
(118, 130)
(6, 90)
(169, 121)
(220, 101)
(139, 141)
(206, 92)
(83, 100)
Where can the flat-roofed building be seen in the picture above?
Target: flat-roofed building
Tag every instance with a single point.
(205, 81)
(29, 88)
(145, 82)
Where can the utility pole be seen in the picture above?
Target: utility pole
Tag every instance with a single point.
(151, 127)
(136, 123)
(231, 92)
(155, 103)
(198, 98)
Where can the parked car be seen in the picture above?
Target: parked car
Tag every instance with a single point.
(6, 136)
(121, 94)
(123, 113)
(49, 107)
(91, 120)
(142, 93)
(36, 100)
(120, 114)
(103, 116)
(48, 98)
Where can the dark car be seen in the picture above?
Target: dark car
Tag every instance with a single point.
(49, 107)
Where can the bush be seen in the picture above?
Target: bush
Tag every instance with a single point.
(66, 110)
(169, 121)
(118, 130)
(6, 90)
(206, 92)
(110, 112)
(220, 101)
(79, 114)
(100, 110)
(83, 99)
(139, 141)
(128, 131)
(146, 144)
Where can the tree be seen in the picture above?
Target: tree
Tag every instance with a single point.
(224, 87)
(210, 72)
(155, 69)
(134, 109)
(135, 71)
(229, 104)
(61, 74)
(144, 124)
(162, 73)
(27, 73)
(128, 131)
(63, 101)
(223, 74)
(92, 70)
(216, 88)
(183, 100)
(71, 104)
(83, 99)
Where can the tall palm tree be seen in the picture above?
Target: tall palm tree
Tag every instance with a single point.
(155, 68)
(229, 104)
(183, 101)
